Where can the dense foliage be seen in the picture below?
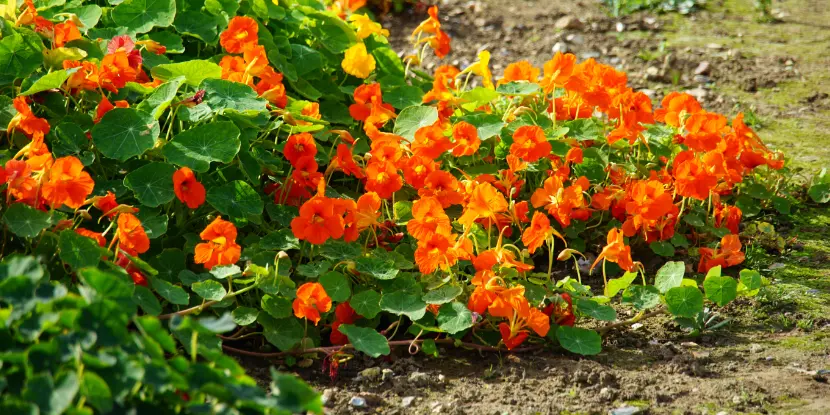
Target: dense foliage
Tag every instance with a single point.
(276, 166)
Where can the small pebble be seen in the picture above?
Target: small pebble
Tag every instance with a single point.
(357, 402)
(407, 401)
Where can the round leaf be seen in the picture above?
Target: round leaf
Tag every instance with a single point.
(403, 303)
(642, 296)
(198, 147)
(244, 315)
(598, 311)
(284, 333)
(366, 340)
(209, 290)
(443, 294)
(366, 303)
(721, 290)
(144, 298)
(413, 118)
(337, 286)
(684, 301)
(751, 279)
(26, 221)
(454, 317)
(152, 183)
(170, 292)
(277, 307)
(236, 199)
(142, 15)
(124, 133)
(670, 275)
(578, 340)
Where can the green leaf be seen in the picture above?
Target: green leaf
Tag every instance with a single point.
(26, 221)
(236, 199)
(153, 328)
(404, 303)
(404, 96)
(366, 340)
(594, 310)
(222, 95)
(144, 298)
(782, 205)
(758, 191)
(152, 183)
(281, 240)
(618, 284)
(584, 129)
(244, 315)
(199, 146)
(20, 53)
(454, 317)
(79, 251)
(222, 272)
(642, 296)
(487, 125)
(403, 211)
(284, 333)
(199, 25)
(380, 268)
(337, 250)
(366, 303)
(293, 395)
(694, 219)
(518, 88)
(684, 301)
(333, 33)
(411, 119)
(171, 41)
(751, 279)
(578, 340)
(337, 286)
(68, 139)
(112, 285)
(477, 97)
(819, 192)
(443, 294)
(172, 293)
(221, 324)
(679, 241)
(209, 290)
(313, 269)
(124, 133)
(52, 398)
(194, 71)
(142, 15)
(277, 307)
(306, 59)
(670, 275)
(96, 391)
(721, 290)
(52, 80)
(161, 98)
(662, 248)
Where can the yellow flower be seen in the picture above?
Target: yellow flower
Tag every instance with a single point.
(366, 27)
(482, 69)
(358, 61)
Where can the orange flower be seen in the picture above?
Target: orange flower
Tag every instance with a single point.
(369, 106)
(131, 236)
(25, 120)
(616, 251)
(529, 143)
(96, 236)
(428, 218)
(728, 217)
(444, 187)
(311, 301)
(64, 33)
(439, 41)
(67, 183)
(299, 145)
(106, 204)
(106, 106)
(563, 203)
(116, 71)
(310, 110)
(537, 233)
(344, 161)
(271, 88)
(444, 81)
(485, 202)
(221, 247)
(466, 139)
(240, 34)
(727, 255)
(305, 172)
(676, 106)
(435, 252)
(691, 177)
(187, 188)
(416, 169)
(366, 212)
(86, 77)
(651, 208)
(344, 314)
(431, 142)
(574, 155)
(382, 178)
(512, 304)
(558, 71)
(318, 221)
(520, 71)
(358, 62)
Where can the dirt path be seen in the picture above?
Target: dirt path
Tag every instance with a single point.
(766, 360)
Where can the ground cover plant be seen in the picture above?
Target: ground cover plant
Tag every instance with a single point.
(278, 168)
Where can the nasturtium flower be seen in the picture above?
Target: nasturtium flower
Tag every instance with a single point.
(428, 218)
(25, 120)
(299, 145)
(564, 203)
(520, 71)
(465, 139)
(116, 71)
(67, 183)
(369, 106)
(187, 188)
(692, 179)
(438, 39)
(240, 34)
(344, 161)
(676, 107)
(311, 300)
(558, 71)
(106, 106)
(529, 143)
(561, 310)
(65, 32)
(538, 232)
(484, 202)
(728, 254)
(616, 251)
(317, 221)
(365, 27)
(382, 178)
(444, 187)
(728, 217)
(343, 314)
(95, 236)
(85, 77)
(481, 68)
(358, 62)
(220, 247)
(131, 236)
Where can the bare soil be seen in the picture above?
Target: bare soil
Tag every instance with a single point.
(771, 358)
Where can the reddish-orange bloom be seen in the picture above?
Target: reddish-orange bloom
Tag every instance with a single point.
(86, 77)
(563, 203)
(538, 232)
(435, 252)
(691, 177)
(25, 120)
(96, 236)
(343, 314)
(344, 161)
(428, 218)
(728, 217)
(676, 106)
(512, 304)
(65, 32)
(366, 212)
(116, 71)
(520, 71)
(439, 41)
(484, 202)
(650, 208)
(318, 221)
(131, 236)
(727, 255)
(382, 178)
(240, 34)
(465, 137)
(444, 187)
(616, 251)
(369, 106)
(574, 155)
(311, 301)
(67, 183)
(444, 81)
(220, 247)
(561, 311)
(106, 106)
(416, 169)
(431, 142)
(529, 143)
(305, 172)
(187, 188)
(558, 71)
(299, 145)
